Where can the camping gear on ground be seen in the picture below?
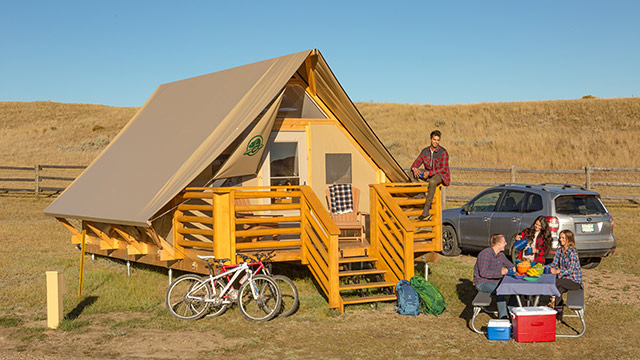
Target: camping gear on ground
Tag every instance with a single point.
(499, 329)
(432, 300)
(533, 324)
(408, 299)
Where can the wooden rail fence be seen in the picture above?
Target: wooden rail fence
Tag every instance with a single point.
(36, 177)
(39, 183)
(587, 171)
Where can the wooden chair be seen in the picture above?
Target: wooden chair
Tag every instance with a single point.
(352, 222)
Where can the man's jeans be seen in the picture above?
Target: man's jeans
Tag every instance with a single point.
(490, 287)
(433, 181)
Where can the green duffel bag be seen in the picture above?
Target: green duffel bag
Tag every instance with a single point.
(432, 300)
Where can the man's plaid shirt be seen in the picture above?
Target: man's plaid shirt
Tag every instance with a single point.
(436, 163)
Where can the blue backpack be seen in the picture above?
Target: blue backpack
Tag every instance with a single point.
(408, 299)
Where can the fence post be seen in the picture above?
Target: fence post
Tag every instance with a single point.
(37, 179)
(587, 171)
(513, 173)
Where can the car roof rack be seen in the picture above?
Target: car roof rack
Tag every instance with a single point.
(515, 184)
(565, 186)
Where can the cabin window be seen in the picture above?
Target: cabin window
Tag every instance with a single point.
(284, 164)
(338, 168)
(296, 103)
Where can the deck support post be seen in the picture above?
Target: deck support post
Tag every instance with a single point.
(170, 276)
(222, 226)
(128, 268)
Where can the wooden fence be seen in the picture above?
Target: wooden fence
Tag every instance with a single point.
(37, 179)
(40, 182)
(585, 173)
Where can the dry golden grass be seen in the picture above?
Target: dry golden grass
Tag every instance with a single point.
(56, 133)
(567, 134)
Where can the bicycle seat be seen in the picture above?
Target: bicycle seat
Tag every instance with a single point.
(219, 261)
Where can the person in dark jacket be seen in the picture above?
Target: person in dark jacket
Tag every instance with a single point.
(435, 160)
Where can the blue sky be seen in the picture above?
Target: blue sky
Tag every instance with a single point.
(420, 52)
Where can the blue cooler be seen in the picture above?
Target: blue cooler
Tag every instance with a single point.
(499, 329)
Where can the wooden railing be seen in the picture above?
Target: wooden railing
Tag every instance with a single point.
(289, 218)
(391, 235)
(320, 245)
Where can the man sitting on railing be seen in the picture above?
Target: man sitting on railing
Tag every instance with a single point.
(436, 163)
(490, 267)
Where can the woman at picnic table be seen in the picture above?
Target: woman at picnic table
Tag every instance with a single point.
(539, 239)
(566, 265)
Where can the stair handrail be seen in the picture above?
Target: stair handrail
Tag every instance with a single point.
(319, 237)
(395, 255)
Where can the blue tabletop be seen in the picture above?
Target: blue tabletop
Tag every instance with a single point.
(545, 285)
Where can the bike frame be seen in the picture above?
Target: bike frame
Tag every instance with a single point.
(236, 271)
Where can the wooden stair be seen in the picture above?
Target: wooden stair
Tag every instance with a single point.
(364, 282)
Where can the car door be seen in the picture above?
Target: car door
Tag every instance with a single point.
(475, 222)
(508, 217)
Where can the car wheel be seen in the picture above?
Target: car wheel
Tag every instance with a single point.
(591, 263)
(449, 241)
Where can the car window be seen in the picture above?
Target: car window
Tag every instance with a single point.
(533, 203)
(512, 201)
(579, 205)
(485, 202)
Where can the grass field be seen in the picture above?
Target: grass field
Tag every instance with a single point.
(124, 317)
(120, 316)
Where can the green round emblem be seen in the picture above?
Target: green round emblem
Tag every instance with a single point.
(254, 145)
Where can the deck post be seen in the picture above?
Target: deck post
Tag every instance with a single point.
(222, 226)
(437, 229)
(373, 221)
(304, 210)
(334, 283)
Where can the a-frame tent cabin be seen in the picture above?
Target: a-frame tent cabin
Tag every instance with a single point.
(240, 160)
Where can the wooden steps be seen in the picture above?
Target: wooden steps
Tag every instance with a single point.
(369, 299)
(361, 272)
(362, 282)
(367, 285)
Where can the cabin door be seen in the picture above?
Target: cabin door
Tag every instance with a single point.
(286, 160)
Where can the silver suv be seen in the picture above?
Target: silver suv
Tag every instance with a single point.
(510, 208)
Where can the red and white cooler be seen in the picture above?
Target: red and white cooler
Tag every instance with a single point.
(533, 324)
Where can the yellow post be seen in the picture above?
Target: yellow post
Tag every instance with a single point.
(55, 288)
(221, 226)
(84, 239)
(334, 283)
(437, 229)
(408, 254)
(373, 221)
(304, 210)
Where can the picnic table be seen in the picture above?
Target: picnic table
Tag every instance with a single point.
(545, 285)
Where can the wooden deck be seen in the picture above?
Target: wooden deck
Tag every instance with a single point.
(292, 221)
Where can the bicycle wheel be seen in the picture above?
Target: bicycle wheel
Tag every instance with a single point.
(220, 303)
(185, 297)
(265, 305)
(289, 294)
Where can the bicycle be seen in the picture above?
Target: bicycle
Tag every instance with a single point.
(288, 290)
(190, 296)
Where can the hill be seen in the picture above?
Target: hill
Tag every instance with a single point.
(565, 134)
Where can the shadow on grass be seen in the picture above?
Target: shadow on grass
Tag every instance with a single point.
(73, 314)
(466, 292)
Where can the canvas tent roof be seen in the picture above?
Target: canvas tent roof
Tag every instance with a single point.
(184, 127)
